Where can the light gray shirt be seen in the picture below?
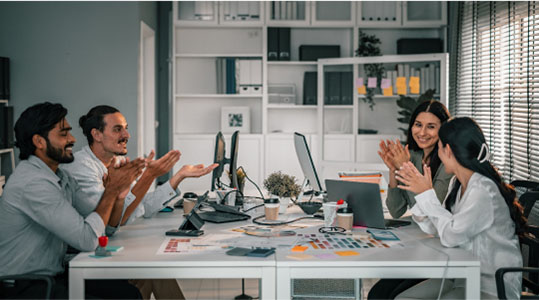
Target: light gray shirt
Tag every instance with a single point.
(38, 220)
(88, 170)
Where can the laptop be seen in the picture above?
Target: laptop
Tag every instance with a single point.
(223, 214)
(365, 202)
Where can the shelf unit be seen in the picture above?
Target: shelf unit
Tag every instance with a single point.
(196, 106)
(359, 141)
(5, 154)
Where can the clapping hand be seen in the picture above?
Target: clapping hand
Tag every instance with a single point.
(161, 166)
(190, 171)
(413, 180)
(122, 174)
(399, 154)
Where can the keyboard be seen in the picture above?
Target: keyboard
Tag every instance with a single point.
(225, 208)
(222, 217)
(392, 223)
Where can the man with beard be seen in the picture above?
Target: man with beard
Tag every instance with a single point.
(37, 216)
(106, 130)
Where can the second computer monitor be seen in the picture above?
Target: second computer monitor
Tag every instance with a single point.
(306, 162)
(234, 147)
(221, 159)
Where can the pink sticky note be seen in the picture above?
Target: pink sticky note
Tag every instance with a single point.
(326, 255)
(385, 83)
(360, 82)
(371, 82)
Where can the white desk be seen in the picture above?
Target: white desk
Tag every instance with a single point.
(138, 259)
(418, 259)
(142, 239)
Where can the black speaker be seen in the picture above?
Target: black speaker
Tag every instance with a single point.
(4, 78)
(6, 127)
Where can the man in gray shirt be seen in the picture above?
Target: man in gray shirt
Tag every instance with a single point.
(37, 216)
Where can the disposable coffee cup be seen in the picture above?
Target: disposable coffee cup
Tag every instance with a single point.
(330, 212)
(271, 208)
(188, 204)
(345, 218)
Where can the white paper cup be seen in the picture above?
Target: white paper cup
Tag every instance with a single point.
(330, 212)
(284, 204)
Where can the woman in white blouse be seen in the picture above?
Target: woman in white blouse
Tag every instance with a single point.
(480, 213)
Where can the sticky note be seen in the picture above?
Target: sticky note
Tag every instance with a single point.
(360, 82)
(401, 82)
(414, 81)
(362, 90)
(346, 253)
(386, 82)
(299, 248)
(299, 256)
(401, 90)
(371, 82)
(388, 91)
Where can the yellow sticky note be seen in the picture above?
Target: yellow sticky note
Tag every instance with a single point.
(346, 253)
(299, 256)
(299, 248)
(388, 91)
(401, 82)
(362, 90)
(414, 81)
(401, 90)
(414, 89)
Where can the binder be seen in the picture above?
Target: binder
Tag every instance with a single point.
(244, 71)
(4, 78)
(334, 88)
(326, 88)
(284, 43)
(218, 73)
(255, 71)
(310, 88)
(6, 127)
(346, 88)
(254, 10)
(226, 11)
(276, 10)
(243, 10)
(437, 80)
(273, 43)
(230, 75)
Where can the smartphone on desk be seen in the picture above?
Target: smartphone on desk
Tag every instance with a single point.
(185, 232)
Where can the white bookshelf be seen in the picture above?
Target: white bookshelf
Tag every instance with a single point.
(196, 105)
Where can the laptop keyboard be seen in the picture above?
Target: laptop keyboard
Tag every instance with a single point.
(220, 217)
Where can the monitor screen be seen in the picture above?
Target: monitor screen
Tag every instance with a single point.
(234, 145)
(306, 162)
(219, 158)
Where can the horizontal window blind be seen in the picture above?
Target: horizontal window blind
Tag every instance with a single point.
(497, 81)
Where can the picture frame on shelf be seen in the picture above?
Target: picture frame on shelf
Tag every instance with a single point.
(235, 118)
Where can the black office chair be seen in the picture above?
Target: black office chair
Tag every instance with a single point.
(529, 244)
(8, 285)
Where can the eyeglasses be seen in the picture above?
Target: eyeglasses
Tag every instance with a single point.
(332, 230)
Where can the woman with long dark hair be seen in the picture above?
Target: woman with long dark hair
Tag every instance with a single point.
(480, 214)
(421, 148)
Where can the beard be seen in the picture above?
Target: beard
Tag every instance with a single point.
(58, 154)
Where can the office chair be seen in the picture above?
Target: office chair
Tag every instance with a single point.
(8, 284)
(530, 283)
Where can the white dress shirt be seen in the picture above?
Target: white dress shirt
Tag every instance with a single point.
(88, 170)
(479, 222)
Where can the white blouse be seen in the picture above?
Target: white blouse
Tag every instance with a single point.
(478, 222)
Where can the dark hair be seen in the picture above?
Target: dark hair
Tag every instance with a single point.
(466, 139)
(37, 119)
(94, 119)
(440, 111)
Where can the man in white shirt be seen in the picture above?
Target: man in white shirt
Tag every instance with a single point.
(106, 130)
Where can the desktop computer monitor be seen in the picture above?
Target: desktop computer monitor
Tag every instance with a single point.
(306, 163)
(234, 160)
(219, 157)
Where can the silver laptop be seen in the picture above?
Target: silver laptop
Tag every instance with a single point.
(365, 202)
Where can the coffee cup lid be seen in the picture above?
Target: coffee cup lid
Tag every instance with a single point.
(344, 210)
(271, 201)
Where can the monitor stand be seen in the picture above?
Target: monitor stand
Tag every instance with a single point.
(302, 190)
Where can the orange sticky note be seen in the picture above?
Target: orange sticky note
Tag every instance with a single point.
(414, 81)
(346, 253)
(299, 248)
(388, 91)
(362, 90)
(401, 82)
(401, 90)
(299, 256)
(414, 89)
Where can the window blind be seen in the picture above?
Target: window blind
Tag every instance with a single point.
(497, 81)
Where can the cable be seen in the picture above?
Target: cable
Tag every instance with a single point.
(255, 220)
(261, 194)
(256, 206)
(445, 269)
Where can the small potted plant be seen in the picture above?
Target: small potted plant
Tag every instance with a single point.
(282, 186)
